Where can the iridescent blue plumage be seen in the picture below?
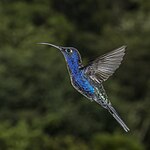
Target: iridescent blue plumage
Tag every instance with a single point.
(88, 79)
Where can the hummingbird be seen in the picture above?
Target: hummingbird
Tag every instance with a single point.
(88, 79)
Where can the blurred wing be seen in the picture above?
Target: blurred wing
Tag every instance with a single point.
(103, 67)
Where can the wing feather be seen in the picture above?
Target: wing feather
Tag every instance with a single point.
(104, 66)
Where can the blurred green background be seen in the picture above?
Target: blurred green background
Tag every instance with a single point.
(39, 109)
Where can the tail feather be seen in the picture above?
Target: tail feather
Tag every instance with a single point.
(117, 117)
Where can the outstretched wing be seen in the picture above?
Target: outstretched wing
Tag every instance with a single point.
(103, 67)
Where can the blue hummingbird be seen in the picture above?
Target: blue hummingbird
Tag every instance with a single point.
(88, 79)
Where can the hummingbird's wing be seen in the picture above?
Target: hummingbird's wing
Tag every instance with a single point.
(103, 67)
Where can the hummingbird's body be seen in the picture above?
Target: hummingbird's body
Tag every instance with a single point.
(88, 79)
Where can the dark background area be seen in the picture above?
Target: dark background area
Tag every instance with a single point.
(39, 109)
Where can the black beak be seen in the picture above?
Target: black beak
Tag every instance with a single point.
(58, 47)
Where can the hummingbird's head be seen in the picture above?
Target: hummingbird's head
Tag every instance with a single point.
(71, 54)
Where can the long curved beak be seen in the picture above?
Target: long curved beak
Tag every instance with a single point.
(58, 47)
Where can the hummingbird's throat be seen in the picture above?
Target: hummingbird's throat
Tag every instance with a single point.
(73, 67)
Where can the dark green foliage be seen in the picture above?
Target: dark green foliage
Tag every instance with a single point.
(115, 142)
(39, 109)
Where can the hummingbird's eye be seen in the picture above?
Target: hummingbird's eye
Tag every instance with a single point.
(69, 50)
